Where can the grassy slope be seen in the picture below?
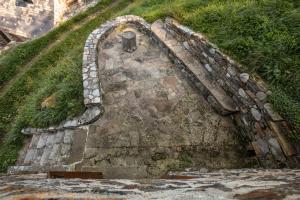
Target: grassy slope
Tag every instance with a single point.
(262, 34)
(22, 54)
(57, 72)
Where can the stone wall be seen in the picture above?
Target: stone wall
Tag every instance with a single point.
(60, 8)
(27, 21)
(259, 124)
(91, 83)
(64, 9)
(36, 18)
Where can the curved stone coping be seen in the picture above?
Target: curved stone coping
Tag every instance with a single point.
(91, 83)
(90, 115)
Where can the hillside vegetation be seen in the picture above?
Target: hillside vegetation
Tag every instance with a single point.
(263, 35)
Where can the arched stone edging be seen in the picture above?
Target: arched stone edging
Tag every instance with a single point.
(215, 74)
(91, 83)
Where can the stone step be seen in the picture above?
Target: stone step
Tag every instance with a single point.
(52, 151)
(225, 103)
(48, 149)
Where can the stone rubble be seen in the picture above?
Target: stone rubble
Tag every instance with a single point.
(244, 77)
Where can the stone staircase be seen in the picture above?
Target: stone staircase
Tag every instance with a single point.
(51, 151)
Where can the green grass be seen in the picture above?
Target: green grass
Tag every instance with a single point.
(263, 35)
(16, 58)
(57, 72)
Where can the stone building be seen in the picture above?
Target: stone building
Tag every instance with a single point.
(30, 18)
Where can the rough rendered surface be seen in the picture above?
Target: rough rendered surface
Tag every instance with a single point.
(232, 184)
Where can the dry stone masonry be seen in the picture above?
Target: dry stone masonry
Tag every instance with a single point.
(259, 124)
(233, 94)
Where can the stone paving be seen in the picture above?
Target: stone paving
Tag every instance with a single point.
(154, 118)
(230, 184)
